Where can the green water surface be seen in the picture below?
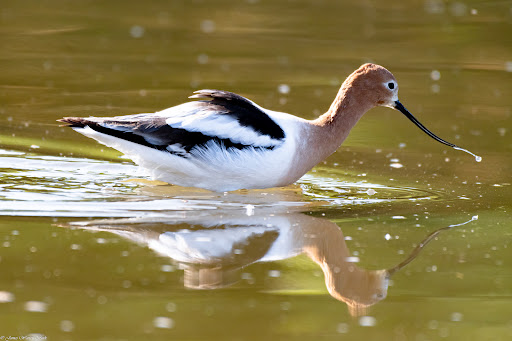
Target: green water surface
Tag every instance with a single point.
(393, 237)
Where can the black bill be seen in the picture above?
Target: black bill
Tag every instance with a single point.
(401, 108)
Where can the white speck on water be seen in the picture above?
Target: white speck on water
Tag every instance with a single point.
(102, 299)
(6, 244)
(249, 210)
(398, 217)
(402, 145)
(47, 65)
(137, 31)
(444, 332)
(367, 321)
(508, 66)
(433, 324)
(208, 26)
(274, 273)
(67, 326)
(167, 268)
(75, 247)
(34, 146)
(342, 328)
(334, 81)
(396, 165)
(127, 284)
(434, 6)
(474, 11)
(435, 75)
(371, 191)
(171, 307)
(246, 275)
(143, 92)
(203, 58)
(285, 306)
(456, 317)
(163, 322)
(101, 240)
(283, 89)
(502, 131)
(435, 88)
(36, 306)
(446, 159)
(6, 297)
(352, 259)
(125, 253)
(387, 236)
(458, 9)
(348, 238)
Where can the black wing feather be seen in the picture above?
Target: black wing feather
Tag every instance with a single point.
(243, 110)
(152, 130)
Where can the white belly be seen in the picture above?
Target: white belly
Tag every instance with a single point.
(214, 168)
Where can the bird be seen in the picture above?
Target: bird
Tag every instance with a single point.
(223, 142)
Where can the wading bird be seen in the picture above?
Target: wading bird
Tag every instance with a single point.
(225, 142)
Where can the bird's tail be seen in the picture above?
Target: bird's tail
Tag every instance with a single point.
(73, 122)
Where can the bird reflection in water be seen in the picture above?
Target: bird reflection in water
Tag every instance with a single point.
(212, 249)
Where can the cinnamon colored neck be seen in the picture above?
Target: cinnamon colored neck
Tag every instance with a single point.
(323, 136)
(333, 127)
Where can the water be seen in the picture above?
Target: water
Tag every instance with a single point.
(393, 237)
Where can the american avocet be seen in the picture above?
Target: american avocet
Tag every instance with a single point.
(226, 142)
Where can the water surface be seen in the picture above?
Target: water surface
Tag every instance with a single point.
(368, 245)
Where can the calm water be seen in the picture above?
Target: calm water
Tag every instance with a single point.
(394, 237)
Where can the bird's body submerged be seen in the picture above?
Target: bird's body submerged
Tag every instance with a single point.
(226, 142)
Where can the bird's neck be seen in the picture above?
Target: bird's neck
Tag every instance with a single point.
(321, 137)
(333, 127)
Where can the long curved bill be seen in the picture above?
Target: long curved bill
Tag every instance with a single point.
(399, 106)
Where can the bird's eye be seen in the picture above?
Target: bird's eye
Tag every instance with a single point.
(391, 85)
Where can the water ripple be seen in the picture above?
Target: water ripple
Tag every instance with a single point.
(39, 185)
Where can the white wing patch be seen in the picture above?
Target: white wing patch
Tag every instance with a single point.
(212, 123)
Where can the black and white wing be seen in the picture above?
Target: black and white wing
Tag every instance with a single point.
(222, 117)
